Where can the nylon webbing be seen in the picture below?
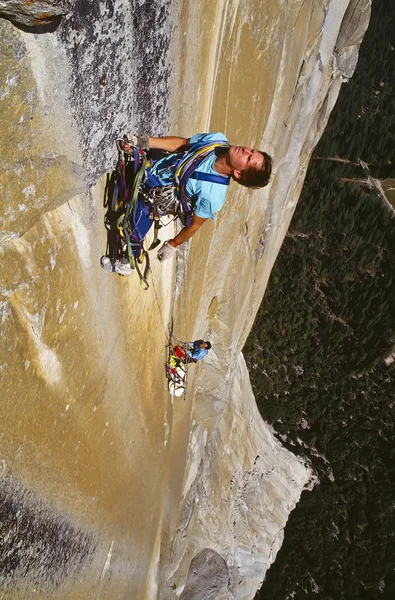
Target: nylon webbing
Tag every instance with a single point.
(211, 177)
(188, 165)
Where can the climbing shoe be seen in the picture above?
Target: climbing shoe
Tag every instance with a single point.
(118, 267)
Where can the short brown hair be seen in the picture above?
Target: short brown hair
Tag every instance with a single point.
(257, 178)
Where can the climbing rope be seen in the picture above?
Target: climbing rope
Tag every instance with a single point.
(158, 303)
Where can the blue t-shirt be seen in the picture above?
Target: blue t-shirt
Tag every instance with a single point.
(207, 197)
(196, 352)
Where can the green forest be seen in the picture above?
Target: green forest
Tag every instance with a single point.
(322, 349)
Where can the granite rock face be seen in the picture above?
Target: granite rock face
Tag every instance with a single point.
(34, 13)
(161, 498)
(38, 544)
(207, 578)
(41, 163)
(350, 35)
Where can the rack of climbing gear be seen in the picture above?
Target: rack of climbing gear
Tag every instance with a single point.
(175, 368)
(127, 219)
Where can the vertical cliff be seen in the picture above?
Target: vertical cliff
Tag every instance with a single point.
(142, 491)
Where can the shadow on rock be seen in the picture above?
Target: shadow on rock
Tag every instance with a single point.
(208, 577)
(38, 544)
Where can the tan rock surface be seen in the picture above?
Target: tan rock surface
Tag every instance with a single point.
(88, 431)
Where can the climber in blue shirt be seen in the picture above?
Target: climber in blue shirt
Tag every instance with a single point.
(247, 166)
(191, 351)
(200, 169)
(198, 349)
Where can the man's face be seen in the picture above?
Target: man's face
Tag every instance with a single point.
(242, 158)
